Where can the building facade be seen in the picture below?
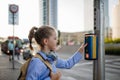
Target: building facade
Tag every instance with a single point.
(115, 21)
(75, 38)
(48, 12)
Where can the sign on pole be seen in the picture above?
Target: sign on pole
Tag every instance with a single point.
(13, 19)
(13, 14)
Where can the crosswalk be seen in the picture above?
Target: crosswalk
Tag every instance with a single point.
(112, 69)
(85, 70)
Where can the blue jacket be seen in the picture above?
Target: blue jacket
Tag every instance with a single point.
(37, 70)
(10, 46)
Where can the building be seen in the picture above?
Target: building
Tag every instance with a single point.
(108, 29)
(108, 32)
(88, 15)
(115, 21)
(74, 37)
(48, 12)
(106, 13)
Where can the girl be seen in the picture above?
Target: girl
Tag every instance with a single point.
(46, 38)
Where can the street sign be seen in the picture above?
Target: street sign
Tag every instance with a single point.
(13, 8)
(13, 14)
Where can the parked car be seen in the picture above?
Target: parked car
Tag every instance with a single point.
(4, 47)
(26, 54)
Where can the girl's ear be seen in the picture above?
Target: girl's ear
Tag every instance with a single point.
(45, 41)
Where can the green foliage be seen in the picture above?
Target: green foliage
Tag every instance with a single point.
(107, 40)
(116, 41)
(112, 50)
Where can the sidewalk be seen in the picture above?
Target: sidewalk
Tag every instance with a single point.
(6, 70)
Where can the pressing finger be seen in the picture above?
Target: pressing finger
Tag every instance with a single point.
(85, 45)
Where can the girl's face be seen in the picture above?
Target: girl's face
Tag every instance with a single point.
(52, 41)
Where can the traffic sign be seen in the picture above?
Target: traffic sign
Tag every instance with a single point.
(13, 14)
(13, 8)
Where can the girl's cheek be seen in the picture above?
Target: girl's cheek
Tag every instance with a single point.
(54, 47)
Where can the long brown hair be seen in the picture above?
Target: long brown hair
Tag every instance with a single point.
(39, 34)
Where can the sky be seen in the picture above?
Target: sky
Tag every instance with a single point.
(70, 16)
(28, 17)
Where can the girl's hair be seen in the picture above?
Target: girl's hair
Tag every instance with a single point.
(39, 34)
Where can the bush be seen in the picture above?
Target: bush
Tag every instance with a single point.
(116, 41)
(109, 40)
(112, 51)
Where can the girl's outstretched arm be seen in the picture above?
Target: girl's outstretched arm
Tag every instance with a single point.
(69, 63)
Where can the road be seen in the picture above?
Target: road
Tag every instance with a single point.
(84, 69)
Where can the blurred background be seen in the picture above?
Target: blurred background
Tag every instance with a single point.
(72, 19)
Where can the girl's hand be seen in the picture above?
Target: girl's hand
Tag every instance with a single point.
(55, 76)
(81, 49)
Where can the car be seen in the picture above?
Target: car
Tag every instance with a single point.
(4, 47)
(26, 54)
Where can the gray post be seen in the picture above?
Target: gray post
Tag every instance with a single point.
(13, 44)
(99, 65)
(13, 9)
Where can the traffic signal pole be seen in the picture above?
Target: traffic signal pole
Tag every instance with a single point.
(99, 64)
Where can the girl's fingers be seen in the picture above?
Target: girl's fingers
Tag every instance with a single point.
(82, 44)
(85, 45)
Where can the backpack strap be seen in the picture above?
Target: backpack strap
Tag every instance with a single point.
(23, 70)
(44, 61)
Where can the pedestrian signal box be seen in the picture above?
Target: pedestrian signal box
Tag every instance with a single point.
(91, 50)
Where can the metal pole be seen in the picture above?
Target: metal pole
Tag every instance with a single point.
(13, 44)
(99, 65)
(48, 12)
